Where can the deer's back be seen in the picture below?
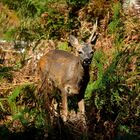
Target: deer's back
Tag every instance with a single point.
(62, 68)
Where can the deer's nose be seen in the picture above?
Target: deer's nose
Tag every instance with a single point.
(87, 61)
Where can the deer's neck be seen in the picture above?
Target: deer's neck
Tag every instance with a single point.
(86, 73)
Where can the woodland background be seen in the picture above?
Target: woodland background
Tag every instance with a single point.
(28, 28)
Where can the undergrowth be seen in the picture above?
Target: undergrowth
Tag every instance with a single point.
(112, 96)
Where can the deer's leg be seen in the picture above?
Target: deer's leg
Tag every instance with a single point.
(81, 106)
(82, 116)
(64, 107)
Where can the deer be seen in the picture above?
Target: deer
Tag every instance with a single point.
(68, 72)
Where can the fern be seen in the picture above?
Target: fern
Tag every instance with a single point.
(12, 99)
(99, 61)
(114, 25)
(15, 94)
(1, 104)
(63, 46)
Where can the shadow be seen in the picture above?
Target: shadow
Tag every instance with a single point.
(120, 136)
(59, 130)
(28, 133)
(70, 130)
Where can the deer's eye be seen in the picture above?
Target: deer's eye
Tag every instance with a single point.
(80, 52)
(91, 52)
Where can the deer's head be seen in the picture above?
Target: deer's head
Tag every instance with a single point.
(85, 50)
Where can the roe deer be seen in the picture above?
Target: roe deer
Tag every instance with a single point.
(67, 72)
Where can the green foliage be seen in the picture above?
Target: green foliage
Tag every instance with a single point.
(115, 26)
(116, 10)
(55, 24)
(99, 62)
(26, 8)
(5, 72)
(112, 93)
(115, 23)
(21, 103)
(77, 3)
(2, 100)
(124, 128)
(63, 46)
(52, 25)
(27, 30)
(8, 21)
(12, 100)
(9, 33)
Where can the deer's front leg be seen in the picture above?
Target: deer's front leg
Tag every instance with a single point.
(81, 106)
(82, 116)
(64, 107)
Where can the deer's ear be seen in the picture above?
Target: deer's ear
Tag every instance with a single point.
(73, 41)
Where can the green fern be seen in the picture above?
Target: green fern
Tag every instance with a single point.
(99, 61)
(116, 20)
(12, 99)
(2, 104)
(63, 46)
